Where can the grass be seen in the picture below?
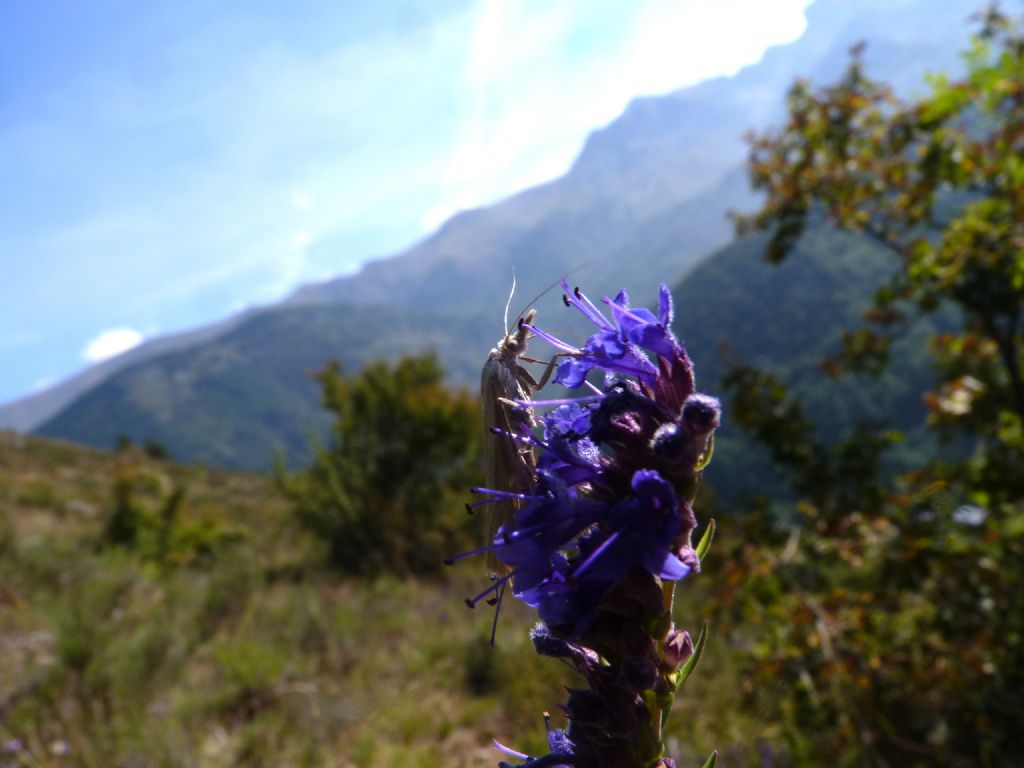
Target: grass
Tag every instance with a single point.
(215, 638)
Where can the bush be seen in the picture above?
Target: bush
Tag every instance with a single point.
(403, 447)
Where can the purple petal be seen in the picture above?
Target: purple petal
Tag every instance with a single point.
(665, 306)
(666, 565)
(572, 372)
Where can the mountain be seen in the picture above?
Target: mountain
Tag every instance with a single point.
(28, 412)
(628, 180)
(645, 200)
(234, 400)
(661, 154)
(784, 319)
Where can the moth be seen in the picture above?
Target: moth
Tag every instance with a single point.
(509, 464)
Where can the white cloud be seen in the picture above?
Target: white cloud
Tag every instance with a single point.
(111, 343)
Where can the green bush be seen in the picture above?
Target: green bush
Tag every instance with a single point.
(382, 495)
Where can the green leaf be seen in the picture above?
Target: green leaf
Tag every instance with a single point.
(691, 663)
(712, 760)
(705, 457)
(665, 702)
(705, 541)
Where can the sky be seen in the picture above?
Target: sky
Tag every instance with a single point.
(165, 164)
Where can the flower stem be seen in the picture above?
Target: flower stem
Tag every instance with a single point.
(668, 594)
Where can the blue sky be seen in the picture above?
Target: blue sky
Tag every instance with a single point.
(163, 164)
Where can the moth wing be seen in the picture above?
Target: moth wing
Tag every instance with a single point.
(508, 464)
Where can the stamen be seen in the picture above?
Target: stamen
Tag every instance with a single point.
(505, 495)
(596, 553)
(562, 401)
(510, 435)
(470, 553)
(625, 311)
(472, 601)
(553, 340)
(592, 313)
(497, 611)
(526, 439)
(523, 533)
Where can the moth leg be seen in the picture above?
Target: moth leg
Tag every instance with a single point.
(548, 370)
(526, 379)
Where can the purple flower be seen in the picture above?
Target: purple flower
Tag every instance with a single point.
(606, 520)
(568, 453)
(559, 743)
(614, 471)
(642, 529)
(619, 344)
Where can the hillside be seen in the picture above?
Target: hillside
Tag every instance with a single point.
(237, 399)
(786, 319)
(226, 642)
(677, 155)
(28, 412)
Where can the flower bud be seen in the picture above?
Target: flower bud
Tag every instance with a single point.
(678, 648)
(702, 413)
(670, 442)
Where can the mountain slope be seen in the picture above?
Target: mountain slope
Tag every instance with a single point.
(785, 319)
(661, 152)
(28, 412)
(645, 200)
(236, 399)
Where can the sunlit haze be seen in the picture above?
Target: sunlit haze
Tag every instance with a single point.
(166, 164)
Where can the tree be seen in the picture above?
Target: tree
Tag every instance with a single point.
(896, 623)
(940, 183)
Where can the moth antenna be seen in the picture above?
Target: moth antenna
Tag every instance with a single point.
(543, 293)
(508, 301)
